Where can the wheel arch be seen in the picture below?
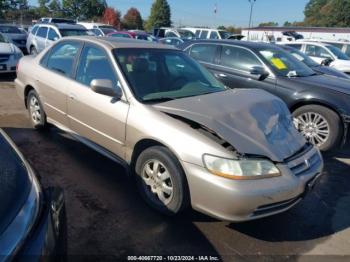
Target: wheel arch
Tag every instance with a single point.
(27, 89)
(299, 104)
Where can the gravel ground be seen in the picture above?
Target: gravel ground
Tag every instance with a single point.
(107, 218)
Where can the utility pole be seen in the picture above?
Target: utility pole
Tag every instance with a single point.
(252, 2)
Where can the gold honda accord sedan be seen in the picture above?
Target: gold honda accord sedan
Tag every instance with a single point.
(187, 139)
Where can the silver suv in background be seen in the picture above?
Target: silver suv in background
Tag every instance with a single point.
(15, 35)
(43, 35)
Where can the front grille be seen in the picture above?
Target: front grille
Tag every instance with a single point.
(4, 58)
(306, 162)
(275, 207)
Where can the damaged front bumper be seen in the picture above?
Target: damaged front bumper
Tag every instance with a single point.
(243, 200)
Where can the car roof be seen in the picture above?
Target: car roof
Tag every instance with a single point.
(113, 43)
(248, 44)
(63, 25)
(306, 42)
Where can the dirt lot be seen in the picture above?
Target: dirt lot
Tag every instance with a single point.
(107, 218)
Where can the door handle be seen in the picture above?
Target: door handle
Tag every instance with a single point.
(72, 96)
(221, 75)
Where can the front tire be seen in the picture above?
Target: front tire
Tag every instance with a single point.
(320, 125)
(161, 180)
(36, 111)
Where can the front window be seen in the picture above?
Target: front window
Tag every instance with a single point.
(52, 35)
(338, 53)
(284, 64)
(160, 75)
(239, 58)
(73, 32)
(317, 51)
(6, 29)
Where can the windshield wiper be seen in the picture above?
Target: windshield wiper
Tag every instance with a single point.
(159, 99)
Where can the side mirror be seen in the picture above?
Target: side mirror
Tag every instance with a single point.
(259, 72)
(327, 62)
(56, 38)
(105, 87)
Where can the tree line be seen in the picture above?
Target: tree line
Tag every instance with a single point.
(88, 10)
(322, 13)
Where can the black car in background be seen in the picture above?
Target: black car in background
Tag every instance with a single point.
(320, 104)
(312, 64)
(32, 221)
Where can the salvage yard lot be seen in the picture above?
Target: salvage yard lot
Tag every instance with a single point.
(106, 216)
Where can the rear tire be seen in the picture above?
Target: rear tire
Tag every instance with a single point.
(161, 180)
(33, 51)
(36, 111)
(320, 125)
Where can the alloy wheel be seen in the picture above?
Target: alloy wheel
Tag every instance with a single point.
(314, 127)
(35, 110)
(158, 180)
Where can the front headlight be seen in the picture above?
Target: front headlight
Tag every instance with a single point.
(240, 169)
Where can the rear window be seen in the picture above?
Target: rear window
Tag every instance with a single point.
(204, 52)
(9, 29)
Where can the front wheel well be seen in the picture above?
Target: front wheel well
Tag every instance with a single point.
(27, 89)
(141, 146)
(310, 103)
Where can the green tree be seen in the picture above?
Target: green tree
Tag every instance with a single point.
(87, 9)
(55, 8)
(132, 19)
(313, 14)
(268, 24)
(221, 27)
(43, 9)
(160, 15)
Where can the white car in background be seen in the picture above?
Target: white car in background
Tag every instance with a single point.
(9, 55)
(323, 53)
(98, 29)
(207, 33)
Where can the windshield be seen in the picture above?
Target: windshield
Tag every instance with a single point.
(186, 34)
(3, 39)
(285, 64)
(6, 29)
(303, 58)
(73, 32)
(224, 34)
(338, 53)
(159, 75)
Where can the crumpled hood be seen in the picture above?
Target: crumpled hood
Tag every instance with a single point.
(252, 121)
(6, 48)
(325, 82)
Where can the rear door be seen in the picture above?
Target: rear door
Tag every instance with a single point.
(236, 64)
(99, 118)
(55, 77)
(41, 38)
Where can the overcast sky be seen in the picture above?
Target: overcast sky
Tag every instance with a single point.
(229, 12)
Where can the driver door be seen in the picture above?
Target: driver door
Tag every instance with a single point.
(99, 118)
(317, 53)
